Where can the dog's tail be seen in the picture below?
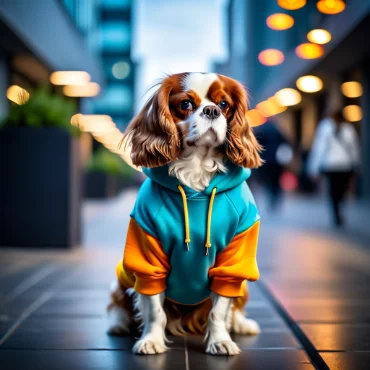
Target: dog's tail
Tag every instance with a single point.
(183, 320)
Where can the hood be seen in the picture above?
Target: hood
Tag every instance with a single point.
(222, 181)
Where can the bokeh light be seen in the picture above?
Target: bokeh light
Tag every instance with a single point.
(288, 97)
(255, 118)
(319, 36)
(331, 6)
(280, 21)
(270, 107)
(309, 51)
(121, 70)
(352, 113)
(271, 57)
(352, 89)
(69, 78)
(309, 84)
(288, 181)
(17, 94)
(90, 89)
(292, 4)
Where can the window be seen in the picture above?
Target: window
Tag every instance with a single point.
(116, 98)
(115, 36)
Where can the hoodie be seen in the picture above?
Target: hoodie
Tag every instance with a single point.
(186, 243)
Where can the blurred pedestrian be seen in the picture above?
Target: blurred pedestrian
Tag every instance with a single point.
(335, 155)
(274, 146)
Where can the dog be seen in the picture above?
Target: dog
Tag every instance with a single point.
(192, 239)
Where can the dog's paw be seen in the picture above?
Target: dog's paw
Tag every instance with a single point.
(149, 346)
(244, 326)
(225, 348)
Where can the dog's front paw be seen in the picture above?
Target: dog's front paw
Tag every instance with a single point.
(149, 346)
(244, 326)
(225, 348)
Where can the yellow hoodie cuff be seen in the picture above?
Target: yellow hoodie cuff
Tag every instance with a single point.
(150, 286)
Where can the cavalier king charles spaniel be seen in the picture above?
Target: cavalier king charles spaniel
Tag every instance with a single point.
(192, 239)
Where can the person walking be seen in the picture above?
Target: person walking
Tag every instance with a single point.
(268, 175)
(335, 154)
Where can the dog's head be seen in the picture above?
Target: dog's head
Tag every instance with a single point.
(192, 109)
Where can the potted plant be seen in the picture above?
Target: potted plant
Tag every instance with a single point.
(40, 187)
(107, 174)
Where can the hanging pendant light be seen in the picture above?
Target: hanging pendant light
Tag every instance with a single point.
(280, 21)
(309, 84)
(331, 6)
(309, 51)
(292, 4)
(319, 36)
(271, 57)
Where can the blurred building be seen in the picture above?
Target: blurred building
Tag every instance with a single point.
(345, 59)
(31, 47)
(107, 28)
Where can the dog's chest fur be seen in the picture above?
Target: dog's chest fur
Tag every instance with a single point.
(198, 163)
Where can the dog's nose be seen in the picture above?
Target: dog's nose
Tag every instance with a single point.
(212, 111)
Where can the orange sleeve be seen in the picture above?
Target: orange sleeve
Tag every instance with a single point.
(145, 261)
(235, 264)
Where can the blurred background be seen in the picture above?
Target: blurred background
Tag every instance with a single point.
(74, 72)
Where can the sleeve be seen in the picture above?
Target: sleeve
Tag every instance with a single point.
(236, 263)
(318, 150)
(145, 259)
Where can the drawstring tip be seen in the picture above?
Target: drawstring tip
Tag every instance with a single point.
(188, 247)
(207, 249)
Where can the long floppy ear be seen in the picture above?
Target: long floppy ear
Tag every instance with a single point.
(152, 134)
(242, 146)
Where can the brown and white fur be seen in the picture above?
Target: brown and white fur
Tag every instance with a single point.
(194, 122)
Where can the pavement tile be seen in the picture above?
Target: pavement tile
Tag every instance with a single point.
(86, 307)
(347, 360)
(89, 360)
(323, 311)
(252, 360)
(338, 337)
(69, 333)
(266, 339)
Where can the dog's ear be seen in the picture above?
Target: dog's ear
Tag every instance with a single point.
(152, 134)
(242, 147)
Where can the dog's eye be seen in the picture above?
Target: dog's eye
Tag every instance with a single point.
(186, 105)
(223, 104)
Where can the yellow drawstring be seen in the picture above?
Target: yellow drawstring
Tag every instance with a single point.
(209, 219)
(186, 216)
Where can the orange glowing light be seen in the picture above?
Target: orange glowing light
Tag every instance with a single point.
(69, 78)
(309, 51)
(331, 6)
(271, 57)
(292, 4)
(17, 95)
(319, 36)
(255, 118)
(309, 84)
(280, 21)
(82, 91)
(288, 97)
(352, 113)
(352, 89)
(270, 107)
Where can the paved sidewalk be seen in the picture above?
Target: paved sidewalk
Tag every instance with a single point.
(313, 303)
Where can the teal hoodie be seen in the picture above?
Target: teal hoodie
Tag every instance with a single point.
(160, 211)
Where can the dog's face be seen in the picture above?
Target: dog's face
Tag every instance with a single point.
(193, 109)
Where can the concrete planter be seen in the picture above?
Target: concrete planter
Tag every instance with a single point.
(40, 188)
